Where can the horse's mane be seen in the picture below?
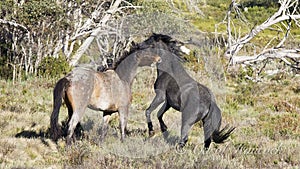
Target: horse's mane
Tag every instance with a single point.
(166, 39)
(148, 43)
(133, 48)
(113, 64)
(157, 37)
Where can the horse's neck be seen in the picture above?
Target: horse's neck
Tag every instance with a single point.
(127, 69)
(177, 71)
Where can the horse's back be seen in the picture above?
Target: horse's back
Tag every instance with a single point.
(80, 87)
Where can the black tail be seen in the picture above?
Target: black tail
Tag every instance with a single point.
(55, 129)
(222, 135)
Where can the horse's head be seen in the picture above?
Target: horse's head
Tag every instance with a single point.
(147, 58)
(165, 42)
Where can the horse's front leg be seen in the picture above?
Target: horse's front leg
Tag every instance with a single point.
(158, 99)
(123, 113)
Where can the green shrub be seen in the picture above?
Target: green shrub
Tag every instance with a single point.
(258, 15)
(263, 3)
(282, 126)
(53, 67)
(232, 105)
(6, 71)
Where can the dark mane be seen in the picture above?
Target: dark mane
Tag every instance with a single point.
(154, 41)
(169, 44)
(157, 37)
(112, 65)
(133, 48)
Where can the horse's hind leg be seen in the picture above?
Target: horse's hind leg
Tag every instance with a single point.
(78, 128)
(70, 112)
(76, 117)
(158, 99)
(189, 118)
(106, 118)
(211, 123)
(207, 127)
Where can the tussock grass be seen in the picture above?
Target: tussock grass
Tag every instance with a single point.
(266, 116)
(26, 108)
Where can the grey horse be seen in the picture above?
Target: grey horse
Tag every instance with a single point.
(108, 91)
(175, 88)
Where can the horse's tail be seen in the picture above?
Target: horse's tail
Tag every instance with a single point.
(221, 135)
(55, 129)
(218, 136)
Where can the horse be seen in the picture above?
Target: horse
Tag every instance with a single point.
(108, 91)
(177, 89)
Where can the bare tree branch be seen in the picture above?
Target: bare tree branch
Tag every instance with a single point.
(12, 23)
(288, 28)
(282, 14)
(95, 32)
(280, 53)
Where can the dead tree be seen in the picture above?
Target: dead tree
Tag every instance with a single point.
(289, 11)
(102, 28)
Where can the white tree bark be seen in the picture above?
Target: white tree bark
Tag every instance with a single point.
(112, 10)
(281, 15)
(2, 21)
(271, 53)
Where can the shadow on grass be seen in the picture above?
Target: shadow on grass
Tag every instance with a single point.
(170, 139)
(43, 135)
(34, 135)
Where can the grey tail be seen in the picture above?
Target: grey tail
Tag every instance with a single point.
(222, 135)
(55, 129)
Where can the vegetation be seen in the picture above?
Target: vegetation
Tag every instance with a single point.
(53, 67)
(267, 133)
(266, 113)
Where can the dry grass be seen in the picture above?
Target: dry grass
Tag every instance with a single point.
(266, 116)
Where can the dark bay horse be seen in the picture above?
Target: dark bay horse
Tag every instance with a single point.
(177, 89)
(108, 91)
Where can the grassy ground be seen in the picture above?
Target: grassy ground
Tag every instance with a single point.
(266, 114)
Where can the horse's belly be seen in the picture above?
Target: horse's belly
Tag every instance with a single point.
(109, 94)
(104, 105)
(103, 101)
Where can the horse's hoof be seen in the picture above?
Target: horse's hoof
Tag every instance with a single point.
(123, 138)
(68, 142)
(180, 148)
(166, 134)
(181, 145)
(151, 133)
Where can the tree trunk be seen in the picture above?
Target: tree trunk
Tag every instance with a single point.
(95, 32)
